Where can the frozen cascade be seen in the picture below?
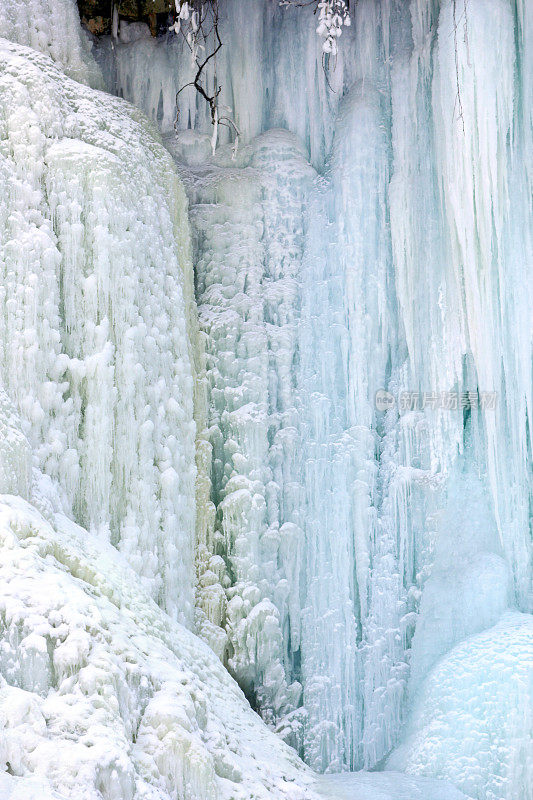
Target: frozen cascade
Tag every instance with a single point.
(97, 330)
(248, 219)
(103, 695)
(354, 565)
(415, 241)
(264, 41)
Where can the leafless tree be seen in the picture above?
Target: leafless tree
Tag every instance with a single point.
(198, 22)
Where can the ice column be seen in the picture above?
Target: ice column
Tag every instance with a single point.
(250, 244)
(96, 332)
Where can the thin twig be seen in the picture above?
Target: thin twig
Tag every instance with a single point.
(458, 101)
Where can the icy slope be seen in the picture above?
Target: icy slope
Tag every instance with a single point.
(102, 694)
(13, 788)
(97, 331)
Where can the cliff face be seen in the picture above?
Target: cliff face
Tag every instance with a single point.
(97, 15)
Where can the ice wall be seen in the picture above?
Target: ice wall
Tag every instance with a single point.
(104, 695)
(337, 579)
(262, 42)
(412, 276)
(52, 27)
(96, 322)
(248, 221)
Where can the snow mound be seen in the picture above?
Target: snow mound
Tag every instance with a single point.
(384, 786)
(103, 695)
(472, 721)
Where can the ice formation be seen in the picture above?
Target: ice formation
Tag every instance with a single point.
(52, 27)
(472, 719)
(96, 338)
(102, 695)
(249, 220)
(405, 256)
(262, 42)
(362, 570)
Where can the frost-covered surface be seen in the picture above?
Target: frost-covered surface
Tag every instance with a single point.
(96, 331)
(30, 788)
(472, 721)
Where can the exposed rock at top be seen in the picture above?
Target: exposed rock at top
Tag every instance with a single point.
(96, 14)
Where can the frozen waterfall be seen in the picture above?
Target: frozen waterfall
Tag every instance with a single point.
(104, 695)
(407, 268)
(286, 391)
(88, 350)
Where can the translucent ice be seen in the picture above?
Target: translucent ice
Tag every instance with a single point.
(346, 530)
(343, 552)
(471, 723)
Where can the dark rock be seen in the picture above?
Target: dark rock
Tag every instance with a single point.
(96, 14)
